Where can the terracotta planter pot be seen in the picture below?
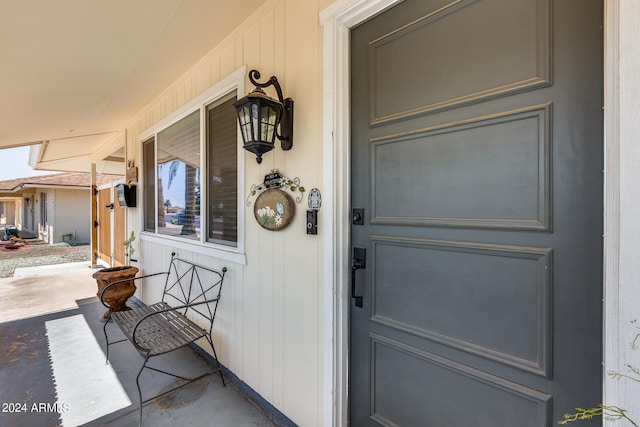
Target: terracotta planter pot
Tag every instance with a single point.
(117, 295)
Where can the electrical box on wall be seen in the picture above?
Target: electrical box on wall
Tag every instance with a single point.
(312, 222)
(126, 195)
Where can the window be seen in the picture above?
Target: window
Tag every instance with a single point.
(149, 189)
(190, 174)
(222, 158)
(178, 178)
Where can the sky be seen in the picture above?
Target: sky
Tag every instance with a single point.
(15, 164)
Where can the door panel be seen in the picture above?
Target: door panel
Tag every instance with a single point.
(476, 280)
(111, 229)
(436, 399)
(104, 229)
(472, 65)
(477, 158)
(484, 172)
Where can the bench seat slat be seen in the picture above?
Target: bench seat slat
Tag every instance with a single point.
(160, 333)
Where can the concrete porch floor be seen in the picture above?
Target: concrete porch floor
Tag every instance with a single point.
(53, 370)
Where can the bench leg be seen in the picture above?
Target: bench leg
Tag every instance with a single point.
(213, 349)
(106, 337)
(144, 365)
(187, 380)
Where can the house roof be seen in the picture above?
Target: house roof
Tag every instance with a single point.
(79, 180)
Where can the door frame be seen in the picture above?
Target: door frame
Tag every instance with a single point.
(337, 21)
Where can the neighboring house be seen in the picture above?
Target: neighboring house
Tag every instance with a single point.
(55, 208)
(502, 274)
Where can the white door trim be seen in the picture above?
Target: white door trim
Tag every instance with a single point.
(337, 21)
(621, 201)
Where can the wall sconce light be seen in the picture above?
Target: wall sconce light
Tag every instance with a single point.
(260, 115)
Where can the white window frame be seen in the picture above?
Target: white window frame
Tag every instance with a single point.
(235, 82)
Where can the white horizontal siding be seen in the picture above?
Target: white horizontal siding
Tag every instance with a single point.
(268, 327)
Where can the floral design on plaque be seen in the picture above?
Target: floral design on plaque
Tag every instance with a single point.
(274, 209)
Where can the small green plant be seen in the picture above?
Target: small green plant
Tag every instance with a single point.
(128, 247)
(611, 413)
(608, 412)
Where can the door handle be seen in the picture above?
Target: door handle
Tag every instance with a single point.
(359, 261)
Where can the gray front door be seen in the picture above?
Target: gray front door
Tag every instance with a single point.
(477, 163)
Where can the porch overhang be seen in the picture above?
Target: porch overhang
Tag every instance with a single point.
(74, 77)
(77, 154)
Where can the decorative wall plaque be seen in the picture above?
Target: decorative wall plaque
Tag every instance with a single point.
(274, 209)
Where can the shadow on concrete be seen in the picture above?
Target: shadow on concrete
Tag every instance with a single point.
(40, 364)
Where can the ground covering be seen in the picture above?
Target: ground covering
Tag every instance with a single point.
(35, 255)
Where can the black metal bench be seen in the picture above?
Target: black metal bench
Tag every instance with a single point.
(162, 327)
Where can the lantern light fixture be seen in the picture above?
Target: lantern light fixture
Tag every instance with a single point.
(260, 115)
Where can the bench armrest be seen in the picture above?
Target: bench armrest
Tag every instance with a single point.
(104, 290)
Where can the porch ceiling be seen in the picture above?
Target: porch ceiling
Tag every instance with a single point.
(73, 73)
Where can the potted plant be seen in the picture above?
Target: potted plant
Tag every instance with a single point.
(129, 249)
(117, 295)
